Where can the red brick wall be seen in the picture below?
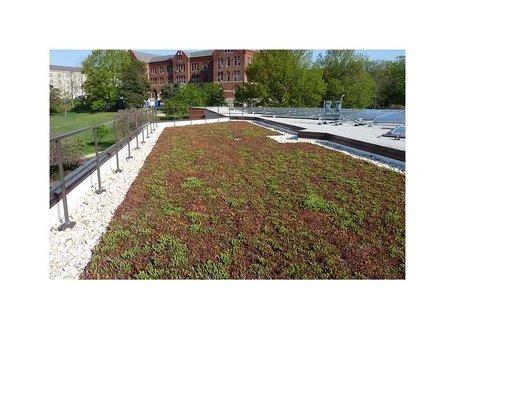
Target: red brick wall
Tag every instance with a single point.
(160, 73)
(196, 113)
(230, 69)
(204, 69)
(180, 69)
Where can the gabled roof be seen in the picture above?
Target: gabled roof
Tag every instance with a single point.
(148, 57)
(199, 53)
(64, 68)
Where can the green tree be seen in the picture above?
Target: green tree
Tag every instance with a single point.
(135, 86)
(103, 70)
(251, 94)
(168, 91)
(189, 95)
(390, 82)
(54, 99)
(194, 95)
(378, 71)
(346, 78)
(214, 94)
(283, 78)
(396, 86)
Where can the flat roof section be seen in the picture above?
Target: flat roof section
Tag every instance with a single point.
(367, 126)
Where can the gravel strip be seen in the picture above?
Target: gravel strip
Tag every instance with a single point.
(71, 249)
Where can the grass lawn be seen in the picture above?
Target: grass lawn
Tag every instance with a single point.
(223, 201)
(60, 124)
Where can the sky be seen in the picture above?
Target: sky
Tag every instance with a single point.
(73, 58)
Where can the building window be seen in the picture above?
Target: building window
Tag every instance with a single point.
(228, 62)
(161, 69)
(228, 76)
(237, 61)
(237, 76)
(219, 77)
(205, 64)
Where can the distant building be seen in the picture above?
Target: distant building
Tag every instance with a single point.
(226, 67)
(69, 80)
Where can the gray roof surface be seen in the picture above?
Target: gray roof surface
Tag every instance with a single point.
(199, 53)
(149, 57)
(64, 68)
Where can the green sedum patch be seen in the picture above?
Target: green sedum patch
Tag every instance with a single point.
(223, 201)
(192, 182)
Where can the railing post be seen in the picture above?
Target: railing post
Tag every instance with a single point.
(117, 148)
(135, 114)
(147, 121)
(67, 223)
(142, 126)
(100, 189)
(128, 138)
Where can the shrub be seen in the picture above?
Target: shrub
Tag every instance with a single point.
(102, 132)
(72, 151)
(54, 99)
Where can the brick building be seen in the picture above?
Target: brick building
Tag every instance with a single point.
(226, 67)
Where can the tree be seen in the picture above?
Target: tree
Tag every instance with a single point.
(103, 70)
(396, 87)
(54, 99)
(390, 82)
(168, 91)
(283, 78)
(378, 71)
(346, 78)
(214, 94)
(188, 95)
(135, 86)
(194, 95)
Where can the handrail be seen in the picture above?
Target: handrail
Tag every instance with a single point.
(72, 133)
(144, 119)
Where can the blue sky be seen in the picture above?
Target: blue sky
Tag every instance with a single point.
(73, 58)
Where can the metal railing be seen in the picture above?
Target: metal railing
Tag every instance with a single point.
(189, 113)
(128, 125)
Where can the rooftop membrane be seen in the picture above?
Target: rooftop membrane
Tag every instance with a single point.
(380, 127)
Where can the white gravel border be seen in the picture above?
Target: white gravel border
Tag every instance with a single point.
(71, 249)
